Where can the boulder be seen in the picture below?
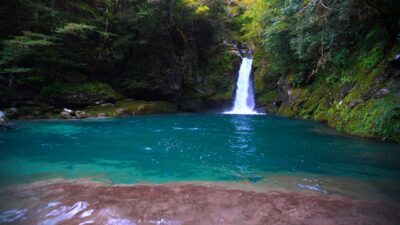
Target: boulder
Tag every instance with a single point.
(356, 102)
(68, 110)
(344, 91)
(101, 115)
(67, 114)
(382, 92)
(11, 113)
(3, 119)
(81, 114)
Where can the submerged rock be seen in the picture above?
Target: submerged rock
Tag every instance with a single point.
(90, 203)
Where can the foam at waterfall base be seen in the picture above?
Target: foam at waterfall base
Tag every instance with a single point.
(242, 112)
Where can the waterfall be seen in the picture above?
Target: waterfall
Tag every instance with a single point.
(244, 98)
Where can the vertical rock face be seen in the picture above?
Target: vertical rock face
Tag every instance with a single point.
(366, 104)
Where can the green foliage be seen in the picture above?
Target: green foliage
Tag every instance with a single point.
(372, 58)
(19, 48)
(341, 57)
(267, 98)
(338, 78)
(388, 122)
(15, 70)
(202, 10)
(296, 80)
(302, 37)
(75, 29)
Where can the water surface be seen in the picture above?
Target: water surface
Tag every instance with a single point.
(306, 160)
(189, 148)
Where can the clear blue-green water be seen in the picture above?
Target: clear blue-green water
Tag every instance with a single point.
(172, 148)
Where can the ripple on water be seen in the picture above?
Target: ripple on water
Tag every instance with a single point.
(63, 213)
(12, 215)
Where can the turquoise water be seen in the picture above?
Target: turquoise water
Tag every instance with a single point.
(205, 147)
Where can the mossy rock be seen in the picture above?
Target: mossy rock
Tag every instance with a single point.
(266, 98)
(222, 97)
(75, 95)
(131, 107)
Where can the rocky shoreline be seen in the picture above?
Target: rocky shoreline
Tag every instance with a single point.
(122, 108)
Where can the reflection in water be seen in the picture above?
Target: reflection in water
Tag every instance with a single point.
(242, 144)
(12, 215)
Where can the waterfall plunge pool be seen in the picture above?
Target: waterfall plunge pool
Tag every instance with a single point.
(56, 171)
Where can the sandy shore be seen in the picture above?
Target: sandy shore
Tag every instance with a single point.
(80, 203)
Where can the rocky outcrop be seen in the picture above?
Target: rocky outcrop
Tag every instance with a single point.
(364, 102)
(74, 95)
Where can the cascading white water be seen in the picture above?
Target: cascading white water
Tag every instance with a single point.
(244, 99)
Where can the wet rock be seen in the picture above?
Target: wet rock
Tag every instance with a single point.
(356, 102)
(121, 112)
(368, 95)
(68, 110)
(382, 92)
(101, 115)
(384, 77)
(81, 114)
(3, 119)
(344, 91)
(141, 109)
(11, 113)
(67, 114)
(328, 102)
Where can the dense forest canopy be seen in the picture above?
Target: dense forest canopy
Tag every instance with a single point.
(53, 38)
(155, 50)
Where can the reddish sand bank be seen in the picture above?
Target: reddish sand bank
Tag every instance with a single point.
(91, 203)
